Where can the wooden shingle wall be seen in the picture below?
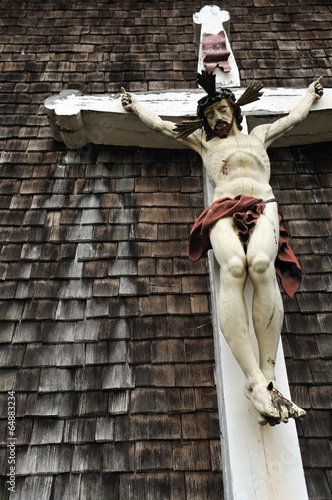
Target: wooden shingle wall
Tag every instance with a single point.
(106, 328)
(105, 323)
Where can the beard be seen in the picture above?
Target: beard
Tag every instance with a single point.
(222, 128)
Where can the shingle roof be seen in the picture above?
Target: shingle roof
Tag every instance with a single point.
(105, 323)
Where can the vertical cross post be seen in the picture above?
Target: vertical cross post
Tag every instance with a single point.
(259, 462)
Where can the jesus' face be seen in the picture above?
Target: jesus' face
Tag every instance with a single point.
(220, 118)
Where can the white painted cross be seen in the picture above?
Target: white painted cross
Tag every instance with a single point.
(260, 463)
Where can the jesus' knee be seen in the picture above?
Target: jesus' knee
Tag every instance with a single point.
(260, 267)
(234, 268)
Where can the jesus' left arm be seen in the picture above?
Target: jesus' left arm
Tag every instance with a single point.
(270, 133)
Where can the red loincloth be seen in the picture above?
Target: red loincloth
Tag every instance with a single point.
(245, 211)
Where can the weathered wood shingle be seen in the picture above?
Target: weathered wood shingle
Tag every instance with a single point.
(105, 324)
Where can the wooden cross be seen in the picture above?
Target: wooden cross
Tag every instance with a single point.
(258, 462)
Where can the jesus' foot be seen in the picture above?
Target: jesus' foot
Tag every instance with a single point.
(271, 405)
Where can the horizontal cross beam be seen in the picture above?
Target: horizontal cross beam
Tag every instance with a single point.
(77, 119)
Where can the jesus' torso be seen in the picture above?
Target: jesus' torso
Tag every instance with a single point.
(238, 164)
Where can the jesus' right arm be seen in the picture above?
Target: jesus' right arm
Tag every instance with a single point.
(154, 122)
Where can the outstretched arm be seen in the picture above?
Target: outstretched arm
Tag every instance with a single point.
(296, 116)
(153, 121)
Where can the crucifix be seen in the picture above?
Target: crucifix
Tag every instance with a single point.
(243, 227)
(255, 462)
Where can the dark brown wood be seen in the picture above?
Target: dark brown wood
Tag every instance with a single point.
(94, 271)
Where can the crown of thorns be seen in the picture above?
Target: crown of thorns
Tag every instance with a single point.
(210, 99)
(208, 82)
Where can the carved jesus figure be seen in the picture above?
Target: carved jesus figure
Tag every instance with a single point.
(239, 169)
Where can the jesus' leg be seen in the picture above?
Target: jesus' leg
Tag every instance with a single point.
(233, 316)
(267, 302)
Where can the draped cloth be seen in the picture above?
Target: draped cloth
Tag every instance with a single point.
(245, 211)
